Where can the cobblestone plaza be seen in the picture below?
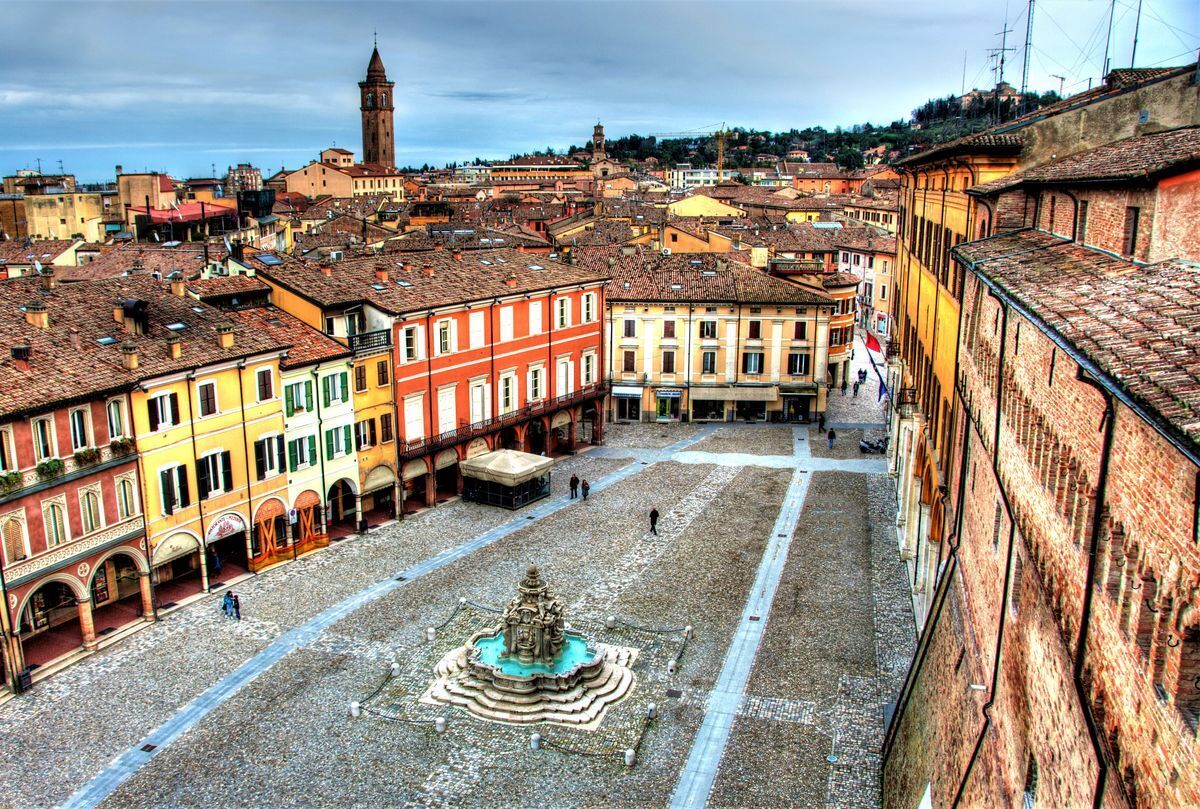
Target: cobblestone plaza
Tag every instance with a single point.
(784, 563)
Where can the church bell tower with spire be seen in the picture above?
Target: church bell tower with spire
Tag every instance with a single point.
(378, 137)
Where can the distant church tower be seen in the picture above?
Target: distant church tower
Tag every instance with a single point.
(598, 152)
(378, 138)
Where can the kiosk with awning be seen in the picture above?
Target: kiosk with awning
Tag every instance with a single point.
(506, 478)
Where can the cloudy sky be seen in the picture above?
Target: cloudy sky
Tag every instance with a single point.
(181, 86)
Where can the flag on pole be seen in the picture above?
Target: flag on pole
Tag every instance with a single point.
(873, 344)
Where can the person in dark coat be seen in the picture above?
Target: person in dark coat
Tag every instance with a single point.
(237, 607)
(845, 384)
(654, 521)
(585, 488)
(821, 423)
(227, 605)
(574, 486)
(832, 435)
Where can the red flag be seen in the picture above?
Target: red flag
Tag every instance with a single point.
(873, 344)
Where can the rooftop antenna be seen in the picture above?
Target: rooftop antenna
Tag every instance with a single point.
(1112, 6)
(39, 162)
(1137, 24)
(1002, 51)
(1061, 81)
(1028, 43)
(61, 172)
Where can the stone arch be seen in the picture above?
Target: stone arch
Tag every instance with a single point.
(415, 468)
(70, 581)
(445, 459)
(560, 419)
(269, 508)
(139, 560)
(476, 447)
(381, 475)
(180, 534)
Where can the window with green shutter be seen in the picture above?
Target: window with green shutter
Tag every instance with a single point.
(312, 448)
(308, 395)
(329, 445)
(292, 462)
(346, 437)
(325, 390)
(289, 400)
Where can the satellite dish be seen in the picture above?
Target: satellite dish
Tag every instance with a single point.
(37, 265)
(154, 236)
(228, 248)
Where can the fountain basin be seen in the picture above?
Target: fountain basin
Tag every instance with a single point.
(575, 662)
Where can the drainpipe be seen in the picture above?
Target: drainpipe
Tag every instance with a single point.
(199, 503)
(687, 382)
(246, 461)
(320, 453)
(1004, 595)
(137, 471)
(1085, 622)
(10, 639)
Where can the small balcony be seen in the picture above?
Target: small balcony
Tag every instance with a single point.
(467, 432)
(906, 401)
(370, 341)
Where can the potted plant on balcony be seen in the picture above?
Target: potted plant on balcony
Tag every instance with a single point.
(9, 482)
(50, 469)
(122, 446)
(87, 456)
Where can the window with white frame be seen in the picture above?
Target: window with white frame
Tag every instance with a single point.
(798, 364)
(589, 307)
(537, 383)
(336, 388)
(8, 461)
(43, 439)
(445, 336)
(535, 317)
(508, 393)
(302, 453)
(564, 312)
(163, 411)
(268, 456)
(173, 484)
(337, 442)
(364, 434)
(89, 510)
(589, 369)
(708, 329)
(116, 419)
(214, 474)
(506, 324)
(79, 429)
(411, 344)
(55, 519)
(126, 502)
(475, 328)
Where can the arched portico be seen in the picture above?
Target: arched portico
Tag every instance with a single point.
(177, 570)
(341, 508)
(120, 591)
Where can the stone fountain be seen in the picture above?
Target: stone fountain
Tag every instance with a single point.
(530, 668)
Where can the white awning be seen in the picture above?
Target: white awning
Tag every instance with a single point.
(507, 467)
(726, 393)
(626, 390)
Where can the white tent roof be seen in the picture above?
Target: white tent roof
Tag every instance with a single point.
(506, 467)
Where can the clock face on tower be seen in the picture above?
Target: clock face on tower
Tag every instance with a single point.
(379, 145)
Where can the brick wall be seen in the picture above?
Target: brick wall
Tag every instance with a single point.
(1145, 618)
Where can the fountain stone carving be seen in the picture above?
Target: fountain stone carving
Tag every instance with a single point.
(530, 668)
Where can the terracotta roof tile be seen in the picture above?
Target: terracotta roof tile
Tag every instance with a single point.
(702, 278)
(307, 344)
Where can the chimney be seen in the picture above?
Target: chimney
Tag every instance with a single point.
(178, 287)
(36, 315)
(48, 279)
(457, 254)
(428, 270)
(326, 269)
(381, 273)
(225, 335)
(437, 247)
(120, 170)
(520, 248)
(510, 280)
(129, 355)
(119, 311)
(76, 343)
(175, 346)
(20, 355)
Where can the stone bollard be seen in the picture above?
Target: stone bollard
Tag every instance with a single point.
(395, 669)
(687, 631)
(355, 709)
(651, 710)
(630, 757)
(610, 621)
(535, 741)
(462, 600)
(430, 634)
(439, 724)
(672, 666)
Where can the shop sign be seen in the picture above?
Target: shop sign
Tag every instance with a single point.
(668, 393)
(225, 525)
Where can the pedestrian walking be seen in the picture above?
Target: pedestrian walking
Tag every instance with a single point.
(821, 423)
(585, 488)
(227, 605)
(216, 562)
(844, 385)
(862, 374)
(832, 435)
(856, 386)
(574, 486)
(237, 607)
(654, 521)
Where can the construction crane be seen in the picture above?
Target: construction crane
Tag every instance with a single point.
(720, 132)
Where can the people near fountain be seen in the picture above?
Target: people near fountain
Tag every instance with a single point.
(585, 488)
(574, 486)
(654, 521)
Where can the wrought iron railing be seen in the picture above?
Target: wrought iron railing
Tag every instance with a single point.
(370, 341)
(467, 432)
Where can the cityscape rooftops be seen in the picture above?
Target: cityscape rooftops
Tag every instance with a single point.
(706, 277)
(307, 344)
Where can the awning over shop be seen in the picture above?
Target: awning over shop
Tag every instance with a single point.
(628, 391)
(729, 393)
(507, 467)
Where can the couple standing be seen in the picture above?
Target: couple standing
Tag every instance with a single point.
(231, 605)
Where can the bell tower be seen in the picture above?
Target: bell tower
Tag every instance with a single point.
(598, 152)
(378, 137)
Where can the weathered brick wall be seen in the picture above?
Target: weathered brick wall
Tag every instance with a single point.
(1176, 234)
(1145, 624)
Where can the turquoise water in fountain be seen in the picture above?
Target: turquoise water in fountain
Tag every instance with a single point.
(574, 652)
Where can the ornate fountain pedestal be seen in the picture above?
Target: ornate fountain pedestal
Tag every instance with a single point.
(530, 669)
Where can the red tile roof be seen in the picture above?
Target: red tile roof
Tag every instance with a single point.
(1139, 324)
(703, 278)
(308, 345)
(44, 251)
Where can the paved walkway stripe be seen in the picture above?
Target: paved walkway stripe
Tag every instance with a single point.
(128, 763)
(696, 781)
